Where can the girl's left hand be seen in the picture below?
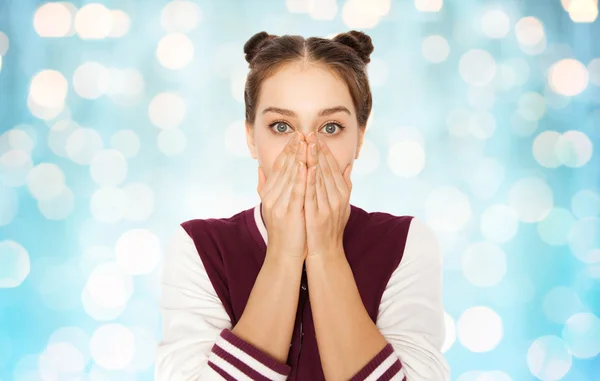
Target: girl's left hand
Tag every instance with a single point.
(326, 203)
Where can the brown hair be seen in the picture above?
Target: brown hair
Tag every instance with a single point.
(346, 55)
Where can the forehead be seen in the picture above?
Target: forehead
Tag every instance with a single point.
(304, 88)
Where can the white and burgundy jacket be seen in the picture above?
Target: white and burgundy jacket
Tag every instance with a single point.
(209, 270)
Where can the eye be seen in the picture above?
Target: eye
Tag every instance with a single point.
(280, 127)
(330, 129)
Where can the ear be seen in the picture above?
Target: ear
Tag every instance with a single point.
(361, 137)
(250, 140)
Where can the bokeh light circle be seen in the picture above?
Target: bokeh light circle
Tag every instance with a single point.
(112, 346)
(584, 239)
(175, 51)
(484, 264)
(549, 358)
(480, 329)
(499, 223)
(568, 77)
(14, 264)
(582, 333)
(447, 209)
(477, 67)
(555, 228)
(531, 198)
(138, 251)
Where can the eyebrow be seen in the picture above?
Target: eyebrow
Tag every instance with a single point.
(323, 112)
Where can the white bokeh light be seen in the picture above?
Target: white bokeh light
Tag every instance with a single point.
(544, 149)
(74, 336)
(93, 21)
(91, 80)
(584, 239)
(22, 138)
(126, 141)
(549, 358)
(555, 228)
(112, 346)
(529, 31)
(560, 303)
(61, 360)
(126, 86)
(477, 67)
(406, 158)
(48, 89)
(585, 203)
(59, 207)
(479, 329)
(9, 204)
(582, 333)
(108, 204)
(4, 44)
(15, 264)
(360, 14)
(58, 136)
(531, 198)
(121, 22)
(429, 5)
(378, 72)
(167, 110)
(14, 167)
(447, 209)
(138, 251)
(593, 69)
(140, 204)
(46, 181)
(450, 329)
(175, 51)
(180, 16)
(583, 11)
(53, 20)
(370, 159)
(484, 264)
(574, 149)
(171, 142)
(145, 344)
(435, 48)
(108, 167)
(109, 285)
(323, 10)
(83, 144)
(235, 139)
(499, 223)
(495, 24)
(568, 77)
(531, 106)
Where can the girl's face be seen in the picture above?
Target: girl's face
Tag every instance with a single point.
(302, 98)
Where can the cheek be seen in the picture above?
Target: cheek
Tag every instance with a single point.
(267, 155)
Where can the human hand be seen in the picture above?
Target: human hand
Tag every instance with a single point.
(327, 201)
(282, 196)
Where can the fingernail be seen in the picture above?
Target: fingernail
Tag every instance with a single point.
(313, 149)
(302, 146)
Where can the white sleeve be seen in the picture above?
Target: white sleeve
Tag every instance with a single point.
(192, 315)
(411, 314)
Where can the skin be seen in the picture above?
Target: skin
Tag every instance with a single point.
(304, 88)
(347, 337)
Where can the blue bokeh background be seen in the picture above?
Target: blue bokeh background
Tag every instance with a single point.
(121, 119)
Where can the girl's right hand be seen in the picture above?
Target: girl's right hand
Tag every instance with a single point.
(282, 197)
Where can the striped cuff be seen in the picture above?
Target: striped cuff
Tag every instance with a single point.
(235, 359)
(383, 367)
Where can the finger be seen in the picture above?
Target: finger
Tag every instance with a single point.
(310, 196)
(312, 158)
(299, 190)
(327, 180)
(288, 188)
(322, 197)
(280, 167)
(347, 178)
(331, 171)
(262, 179)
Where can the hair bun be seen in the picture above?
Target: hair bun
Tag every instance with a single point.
(255, 43)
(360, 42)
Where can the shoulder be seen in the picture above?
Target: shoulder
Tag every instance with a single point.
(200, 228)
